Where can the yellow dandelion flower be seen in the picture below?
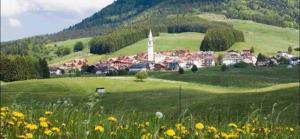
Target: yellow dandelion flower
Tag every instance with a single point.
(212, 129)
(4, 109)
(232, 125)
(29, 135)
(112, 119)
(18, 115)
(170, 132)
(44, 124)
(31, 126)
(42, 119)
(48, 112)
(216, 136)
(48, 132)
(99, 128)
(224, 135)
(55, 129)
(199, 126)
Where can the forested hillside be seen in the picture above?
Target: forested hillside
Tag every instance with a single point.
(126, 13)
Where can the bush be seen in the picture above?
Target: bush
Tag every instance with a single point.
(181, 71)
(242, 65)
(224, 68)
(194, 68)
(78, 47)
(141, 75)
(290, 49)
(283, 60)
(220, 39)
(62, 51)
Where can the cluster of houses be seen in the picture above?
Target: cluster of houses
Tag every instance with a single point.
(170, 60)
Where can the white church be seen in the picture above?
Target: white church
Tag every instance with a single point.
(152, 56)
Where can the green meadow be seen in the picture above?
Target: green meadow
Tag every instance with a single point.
(234, 90)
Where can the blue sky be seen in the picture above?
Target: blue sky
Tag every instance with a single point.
(24, 18)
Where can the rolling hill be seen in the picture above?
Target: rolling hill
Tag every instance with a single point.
(199, 97)
(263, 38)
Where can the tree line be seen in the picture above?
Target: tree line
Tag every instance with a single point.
(125, 36)
(220, 39)
(14, 68)
(118, 39)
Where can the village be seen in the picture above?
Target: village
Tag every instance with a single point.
(172, 61)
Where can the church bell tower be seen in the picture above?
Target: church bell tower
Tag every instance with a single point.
(150, 47)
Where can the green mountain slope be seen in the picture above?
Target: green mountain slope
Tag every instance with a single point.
(128, 12)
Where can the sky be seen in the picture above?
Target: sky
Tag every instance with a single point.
(25, 18)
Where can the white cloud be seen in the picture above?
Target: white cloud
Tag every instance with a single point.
(11, 8)
(13, 22)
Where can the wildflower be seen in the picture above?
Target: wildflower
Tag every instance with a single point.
(18, 115)
(212, 129)
(4, 109)
(232, 125)
(159, 115)
(44, 124)
(216, 136)
(147, 124)
(31, 126)
(47, 132)
(178, 126)
(11, 122)
(291, 129)
(266, 131)
(29, 135)
(199, 126)
(48, 112)
(112, 119)
(170, 132)
(224, 135)
(112, 133)
(146, 136)
(42, 119)
(55, 129)
(99, 128)
(22, 136)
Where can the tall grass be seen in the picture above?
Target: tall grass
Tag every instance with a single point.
(64, 120)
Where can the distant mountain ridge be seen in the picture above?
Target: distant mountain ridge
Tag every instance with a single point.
(120, 13)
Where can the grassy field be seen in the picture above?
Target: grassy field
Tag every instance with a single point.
(265, 98)
(199, 89)
(263, 38)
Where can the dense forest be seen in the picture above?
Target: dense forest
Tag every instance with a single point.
(125, 36)
(14, 68)
(119, 39)
(220, 39)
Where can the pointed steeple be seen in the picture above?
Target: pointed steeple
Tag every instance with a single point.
(150, 47)
(150, 33)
